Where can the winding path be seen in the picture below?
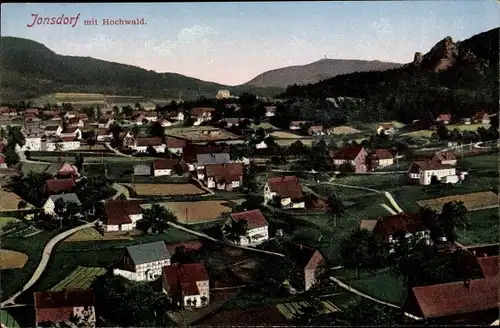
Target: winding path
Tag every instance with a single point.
(47, 252)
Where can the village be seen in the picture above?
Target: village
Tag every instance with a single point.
(207, 213)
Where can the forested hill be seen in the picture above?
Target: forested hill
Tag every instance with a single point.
(30, 69)
(456, 77)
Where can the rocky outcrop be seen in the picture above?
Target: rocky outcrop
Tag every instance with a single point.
(441, 57)
(417, 60)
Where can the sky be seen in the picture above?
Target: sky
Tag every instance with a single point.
(231, 43)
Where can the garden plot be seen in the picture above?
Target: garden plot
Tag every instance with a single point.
(12, 259)
(157, 189)
(81, 278)
(472, 202)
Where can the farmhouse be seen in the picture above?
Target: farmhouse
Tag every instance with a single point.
(164, 122)
(186, 285)
(231, 121)
(175, 115)
(355, 156)
(287, 189)
(380, 158)
(227, 176)
(386, 128)
(56, 186)
(32, 143)
(53, 130)
(444, 118)
(470, 302)
(421, 172)
(144, 262)
(270, 111)
(257, 227)
(141, 145)
(196, 156)
(473, 202)
(120, 215)
(309, 260)
(62, 169)
(201, 114)
(176, 146)
(164, 166)
(295, 125)
(67, 143)
(61, 307)
(446, 158)
(150, 116)
(481, 117)
(316, 130)
(390, 229)
(50, 204)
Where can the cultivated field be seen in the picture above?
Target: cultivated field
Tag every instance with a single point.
(174, 189)
(263, 125)
(12, 259)
(6, 220)
(472, 202)
(9, 201)
(81, 278)
(287, 142)
(85, 235)
(197, 212)
(340, 130)
(201, 133)
(460, 127)
(285, 135)
(292, 310)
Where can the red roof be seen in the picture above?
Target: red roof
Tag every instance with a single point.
(164, 164)
(58, 185)
(198, 111)
(286, 187)
(58, 306)
(149, 141)
(191, 245)
(406, 222)
(442, 300)
(307, 258)
(184, 277)
(382, 154)
(254, 218)
(297, 123)
(446, 156)
(226, 172)
(118, 211)
(67, 139)
(444, 117)
(349, 153)
(2, 159)
(176, 143)
(489, 266)
(430, 165)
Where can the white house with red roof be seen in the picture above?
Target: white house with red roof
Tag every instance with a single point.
(141, 145)
(421, 172)
(445, 118)
(257, 227)
(356, 156)
(120, 215)
(58, 307)
(380, 158)
(287, 189)
(186, 285)
(163, 166)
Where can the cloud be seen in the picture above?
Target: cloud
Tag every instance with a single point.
(96, 43)
(383, 29)
(196, 33)
(158, 47)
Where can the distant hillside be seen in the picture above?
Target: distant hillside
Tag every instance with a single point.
(30, 69)
(453, 77)
(317, 71)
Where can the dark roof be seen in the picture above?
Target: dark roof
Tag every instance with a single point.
(286, 187)
(382, 154)
(66, 298)
(268, 316)
(226, 172)
(489, 266)
(198, 111)
(349, 153)
(406, 222)
(446, 156)
(164, 164)
(67, 198)
(149, 252)
(305, 257)
(149, 141)
(57, 185)
(176, 143)
(447, 299)
(118, 211)
(205, 159)
(254, 218)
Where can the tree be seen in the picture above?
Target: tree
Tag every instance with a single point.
(15, 137)
(157, 217)
(235, 229)
(368, 313)
(443, 133)
(452, 214)
(178, 169)
(298, 148)
(358, 249)
(79, 162)
(249, 178)
(11, 156)
(274, 272)
(156, 130)
(335, 208)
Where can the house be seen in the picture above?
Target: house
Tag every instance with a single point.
(62, 169)
(71, 114)
(389, 229)
(316, 130)
(446, 158)
(64, 306)
(32, 143)
(461, 302)
(444, 118)
(466, 120)
(67, 143)
(481, 117)
(176, 146)
(145, 261)
(309, 260)
(261, 145)
(164, 166)
(296, 125)
(257, 227)
(50, 203)
(150, 116)
(104, 135)
(421, 172)
(355, 156)
(223, 94)
(386, 128)
(141, 145)
(120, 215)
(186, 285)
(55, 186)
(164, 122)
(201, 114)
(175, 115)
(270, 111)
(142, 169)
(105, 123)
(71, 133)
(76, 122)
(53, 130)
(379, 158)
(212, 154)
(288, 191)
(226, 176)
